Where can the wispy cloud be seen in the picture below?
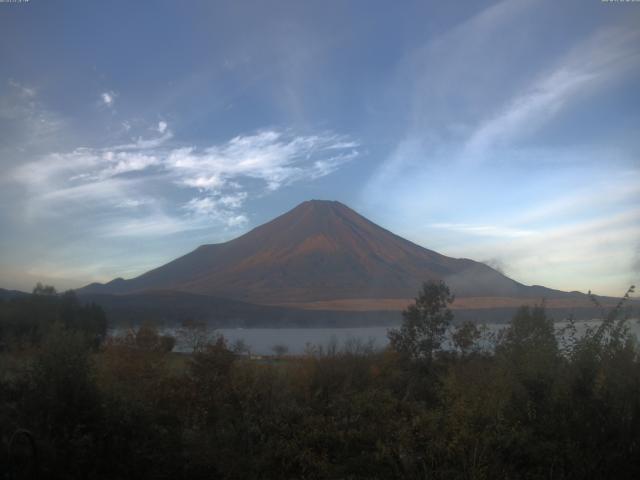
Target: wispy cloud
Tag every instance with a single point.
(25, 91)
(497, 264)
(515, 145)
(223, 208)
(26, 124)
(484, 230)
(604, 56)
(277, 158)
(150, 225)
(480, 103)
(592, 253)
(145, 178)
(610, 192)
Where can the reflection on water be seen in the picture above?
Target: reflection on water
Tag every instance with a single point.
(261, 341)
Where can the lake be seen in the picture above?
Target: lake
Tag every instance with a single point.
(296, 340)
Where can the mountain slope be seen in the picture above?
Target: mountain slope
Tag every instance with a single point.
(320, 250)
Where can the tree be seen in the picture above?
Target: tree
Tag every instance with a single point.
(240, 347)
(41, 289)
(61, 402)
(280, 350)
(194, 335)
(530, 335)
(465, 338)
(425, 323)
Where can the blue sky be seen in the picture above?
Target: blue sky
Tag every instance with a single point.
(506, 132)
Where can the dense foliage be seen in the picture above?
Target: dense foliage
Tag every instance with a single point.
(518, 405)
(27, 319)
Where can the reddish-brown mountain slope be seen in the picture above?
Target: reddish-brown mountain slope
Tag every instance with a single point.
(320, 250)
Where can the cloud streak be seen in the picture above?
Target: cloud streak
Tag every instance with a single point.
(590, 254)
(271, 156)
(483, 230)
(147, 175)
(26, 125)
(478, 104)
(608, 53)
(515, 143)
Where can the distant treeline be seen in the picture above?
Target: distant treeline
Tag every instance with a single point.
(26, 319)
(529, 407)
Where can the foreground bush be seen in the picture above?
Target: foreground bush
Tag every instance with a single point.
(529, 407)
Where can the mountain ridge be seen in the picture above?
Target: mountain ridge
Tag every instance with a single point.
(319, 251)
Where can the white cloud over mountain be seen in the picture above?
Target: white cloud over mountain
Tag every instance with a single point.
(220, 177)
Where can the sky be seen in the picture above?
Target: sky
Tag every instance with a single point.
(505, 132)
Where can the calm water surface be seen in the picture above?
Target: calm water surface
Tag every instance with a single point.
(296, 340)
